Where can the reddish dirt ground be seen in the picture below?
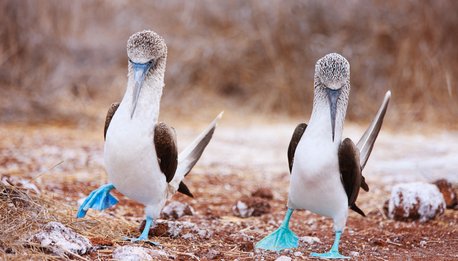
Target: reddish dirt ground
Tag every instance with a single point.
(216, 187)
(373, 237)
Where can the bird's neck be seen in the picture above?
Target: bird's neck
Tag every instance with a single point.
(148, 101)
(320, 121)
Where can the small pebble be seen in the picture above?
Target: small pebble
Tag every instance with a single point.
(287, 251)
(309, 240)
(250, 206)
(354, 253)
(422, 243)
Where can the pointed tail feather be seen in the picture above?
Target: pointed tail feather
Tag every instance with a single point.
(366, 143)
(364, 184)
(182, 188)
(191, 154)
(357, 210)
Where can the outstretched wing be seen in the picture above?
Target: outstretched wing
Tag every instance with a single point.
(350, 170)
(297, 135)
(191, 154)
(110, 115)
(166, 149)
(366, 143)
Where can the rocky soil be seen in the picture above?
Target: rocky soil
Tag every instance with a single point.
(240, 188)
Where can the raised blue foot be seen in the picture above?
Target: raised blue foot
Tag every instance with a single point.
(280, 239)
(144, 236)
(334, 252)
(99, 199)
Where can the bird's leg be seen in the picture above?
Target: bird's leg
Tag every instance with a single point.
(280, 239)
(334, 251)
(144, 236)
(99, 199)
(288, 214)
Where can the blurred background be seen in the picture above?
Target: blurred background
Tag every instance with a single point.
(65, 61)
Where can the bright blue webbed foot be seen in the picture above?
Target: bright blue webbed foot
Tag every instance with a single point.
(334, 252)
(282, 238)
(144, 236)
(99, 199)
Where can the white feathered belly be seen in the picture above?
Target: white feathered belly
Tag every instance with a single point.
(315, 181)
(131, 163)
(325, 198)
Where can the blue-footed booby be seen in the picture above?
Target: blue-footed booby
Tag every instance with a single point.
(140, 153)
(326, 172)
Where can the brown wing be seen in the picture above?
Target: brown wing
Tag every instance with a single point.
(350, 170)
(297, 135)
(110, 114)
(166, 149)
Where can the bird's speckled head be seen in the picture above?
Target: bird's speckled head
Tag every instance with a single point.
(147, 53)
(146, 46)
(332, 88)
(332, 71)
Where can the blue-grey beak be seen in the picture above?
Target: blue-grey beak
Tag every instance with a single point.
(333, 96)
(140, 72)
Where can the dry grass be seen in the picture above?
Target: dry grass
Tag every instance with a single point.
(24, 213)
(59, 58)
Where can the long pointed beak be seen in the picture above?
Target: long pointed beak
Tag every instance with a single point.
(333, 96)
(140, 72)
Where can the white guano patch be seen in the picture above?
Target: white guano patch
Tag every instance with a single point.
(61, 240)
(423, 198)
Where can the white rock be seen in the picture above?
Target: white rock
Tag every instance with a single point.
(422, 243)
(309, 240)
(241, 209)
(60, 239)
(158, 253)
(184, 229)
(131, 253)
(415, 200)
(287, 251)
(204, 233)
(354, 253)
(134, 253)
(176, 210)
(283, 258)
(297, 253)
(188, 236)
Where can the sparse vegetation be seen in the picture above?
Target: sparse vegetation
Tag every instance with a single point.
(255, 55)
